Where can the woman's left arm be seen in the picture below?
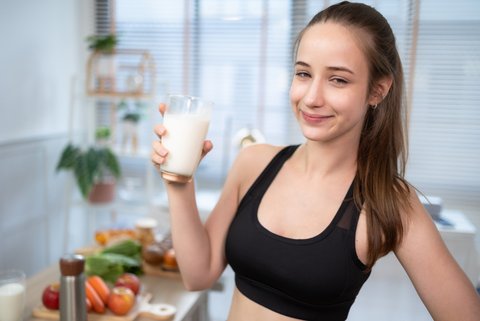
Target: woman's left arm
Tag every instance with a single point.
(440, 282)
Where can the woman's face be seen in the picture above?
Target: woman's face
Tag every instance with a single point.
(329, 89)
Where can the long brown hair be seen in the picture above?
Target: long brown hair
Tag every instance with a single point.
(380, 189)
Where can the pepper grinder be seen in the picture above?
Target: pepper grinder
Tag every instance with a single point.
(72, 288)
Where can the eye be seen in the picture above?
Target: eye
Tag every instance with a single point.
(302, 74)
(339, 81)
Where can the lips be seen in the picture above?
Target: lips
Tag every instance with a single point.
(314, 118)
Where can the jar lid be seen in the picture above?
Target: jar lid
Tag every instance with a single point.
(146, 223)
(72, 264)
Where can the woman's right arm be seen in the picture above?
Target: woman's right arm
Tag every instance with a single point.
(199, 246)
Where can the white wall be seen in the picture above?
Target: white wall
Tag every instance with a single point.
(42, 49)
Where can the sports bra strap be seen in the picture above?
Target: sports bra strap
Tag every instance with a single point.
(262, 182)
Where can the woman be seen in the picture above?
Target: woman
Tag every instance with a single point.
(302, 226)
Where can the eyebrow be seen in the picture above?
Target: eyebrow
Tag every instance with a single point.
(334, 68)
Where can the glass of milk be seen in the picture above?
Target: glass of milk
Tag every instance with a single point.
(12, 295)
(186, 120)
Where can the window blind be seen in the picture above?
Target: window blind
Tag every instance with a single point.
(445, 120)
(238, 53)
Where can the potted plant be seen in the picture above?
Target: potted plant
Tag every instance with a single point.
(95, 169)
(103, 47)
(130, 119)
(103, 43)
(102, 136)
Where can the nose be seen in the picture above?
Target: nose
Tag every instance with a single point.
(314, 96)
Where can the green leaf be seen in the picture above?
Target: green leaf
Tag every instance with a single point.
(105, 43)
(94, 161)
(128, 248)
(102, 133)
(97, 265)
(124, 260)
(89, 166)
(111, 163)
(112, 275)
(67, 159)
(83, 175)
(133, 117)
(103, 266)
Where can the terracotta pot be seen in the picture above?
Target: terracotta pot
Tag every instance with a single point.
(102, 192)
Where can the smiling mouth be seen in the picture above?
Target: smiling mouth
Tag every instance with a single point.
(314, 118)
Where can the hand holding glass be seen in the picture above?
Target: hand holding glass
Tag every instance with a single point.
(186, 121)
(12, 295)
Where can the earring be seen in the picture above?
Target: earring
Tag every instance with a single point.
(374, 106)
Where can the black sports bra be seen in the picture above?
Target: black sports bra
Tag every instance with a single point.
(312, 279)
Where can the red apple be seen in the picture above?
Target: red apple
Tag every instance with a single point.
(129, 280)
(121, 300)
(51, 296)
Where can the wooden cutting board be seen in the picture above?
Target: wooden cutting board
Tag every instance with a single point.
(142, 308)
(159, 271)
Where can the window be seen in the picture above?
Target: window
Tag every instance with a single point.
(445, 119)
(239, 53)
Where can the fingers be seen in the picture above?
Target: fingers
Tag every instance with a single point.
(159, 154)
(159, 130)
(207, 147)
(161, 108)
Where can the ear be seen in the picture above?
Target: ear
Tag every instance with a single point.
(380, 90)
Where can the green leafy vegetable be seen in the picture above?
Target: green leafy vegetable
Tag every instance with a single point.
(119, 258)
(127, 247)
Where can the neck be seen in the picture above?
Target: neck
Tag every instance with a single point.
(321, 160)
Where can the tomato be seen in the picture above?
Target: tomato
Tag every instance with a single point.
(121, 300)
(51, 296)
(129, 280)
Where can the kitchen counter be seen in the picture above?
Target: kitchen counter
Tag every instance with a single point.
(191, 306)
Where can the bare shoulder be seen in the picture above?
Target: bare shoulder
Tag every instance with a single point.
(421, 237)
(258, 153)
(416, 215)
(250, 162)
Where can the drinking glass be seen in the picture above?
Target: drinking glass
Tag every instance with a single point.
(12, 295)
(186, 120)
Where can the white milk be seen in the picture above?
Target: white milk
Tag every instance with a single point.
(12, 302)
(184, 141)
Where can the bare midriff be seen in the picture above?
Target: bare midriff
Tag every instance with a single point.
(244, 309)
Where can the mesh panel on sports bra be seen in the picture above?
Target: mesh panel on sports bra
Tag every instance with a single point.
(348, 219)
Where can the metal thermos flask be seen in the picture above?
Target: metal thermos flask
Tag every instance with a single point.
(72, 288)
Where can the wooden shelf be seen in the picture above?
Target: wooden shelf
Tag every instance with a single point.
(120, 95)
(124, 73)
